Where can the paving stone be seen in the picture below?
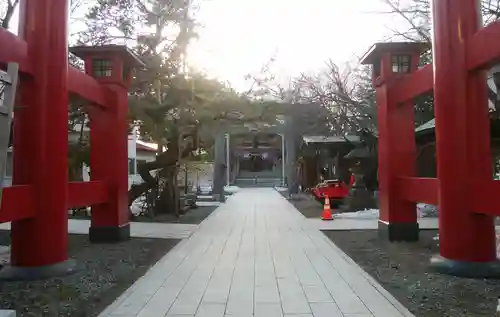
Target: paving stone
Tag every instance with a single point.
(255, 256)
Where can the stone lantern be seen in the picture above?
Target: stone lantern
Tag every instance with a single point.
(111, 66)
(391, 63)
(390, 60)
(360, 197)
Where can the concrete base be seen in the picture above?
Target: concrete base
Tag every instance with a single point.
(220, 198)
(18, 273)
(7, 313)
(109, 234)
(442, 265)
(398, 231)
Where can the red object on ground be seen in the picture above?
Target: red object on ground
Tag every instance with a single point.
(334, 189)
(351, 180)
(327, 211)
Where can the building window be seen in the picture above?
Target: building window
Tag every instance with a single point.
(102, 68)
(131, 166)
(401, 64)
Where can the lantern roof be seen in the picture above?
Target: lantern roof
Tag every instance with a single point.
(358, 153)
(127, 54)
(374, 53)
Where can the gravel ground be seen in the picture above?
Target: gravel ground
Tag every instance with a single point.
(192, 216)
(106, 271)
(402, 269)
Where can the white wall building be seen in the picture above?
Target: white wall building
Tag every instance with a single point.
(138, 151)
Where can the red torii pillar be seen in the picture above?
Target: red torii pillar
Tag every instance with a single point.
(40, 243)
(467, 239)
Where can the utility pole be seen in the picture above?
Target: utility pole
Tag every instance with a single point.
(282, 159)
(228, 160)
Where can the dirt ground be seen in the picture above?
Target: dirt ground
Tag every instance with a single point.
(105, 272)
(402, 269)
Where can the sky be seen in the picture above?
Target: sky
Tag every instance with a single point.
(238, 37)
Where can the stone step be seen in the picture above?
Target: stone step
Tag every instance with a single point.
(257, 182)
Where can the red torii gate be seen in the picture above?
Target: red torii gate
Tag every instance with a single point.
(40, 197)
(464, 190)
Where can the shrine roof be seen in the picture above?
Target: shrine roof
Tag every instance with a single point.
(373, 54)
(429, 125)
(122, 50)
(331, 139)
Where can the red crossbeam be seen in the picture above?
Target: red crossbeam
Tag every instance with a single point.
(14, 49)
(412, 85)
(87, 193)
(416, 189)
(486, 38)
(17, 201)
(420, 82)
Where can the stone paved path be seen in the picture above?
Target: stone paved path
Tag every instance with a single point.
(137, 229)
(256, 255)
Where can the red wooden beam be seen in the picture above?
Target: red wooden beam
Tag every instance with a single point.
(17, 203)
(483, 49)
(86, 193)
(412, 85)
(87, 87)
(419, 190)
(13, 49)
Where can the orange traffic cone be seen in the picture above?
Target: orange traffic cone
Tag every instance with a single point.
(327, 212)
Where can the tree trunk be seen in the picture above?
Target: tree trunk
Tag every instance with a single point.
(168, 160)
(9, 13)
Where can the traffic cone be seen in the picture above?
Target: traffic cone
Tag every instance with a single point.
(327, 211)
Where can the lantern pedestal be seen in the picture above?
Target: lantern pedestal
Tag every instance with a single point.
(30, 273)
(442, 265)
(359, 198)
(109, 234)
(398, 231)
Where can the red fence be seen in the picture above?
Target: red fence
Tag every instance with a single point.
(465, 191)
(40, 197)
